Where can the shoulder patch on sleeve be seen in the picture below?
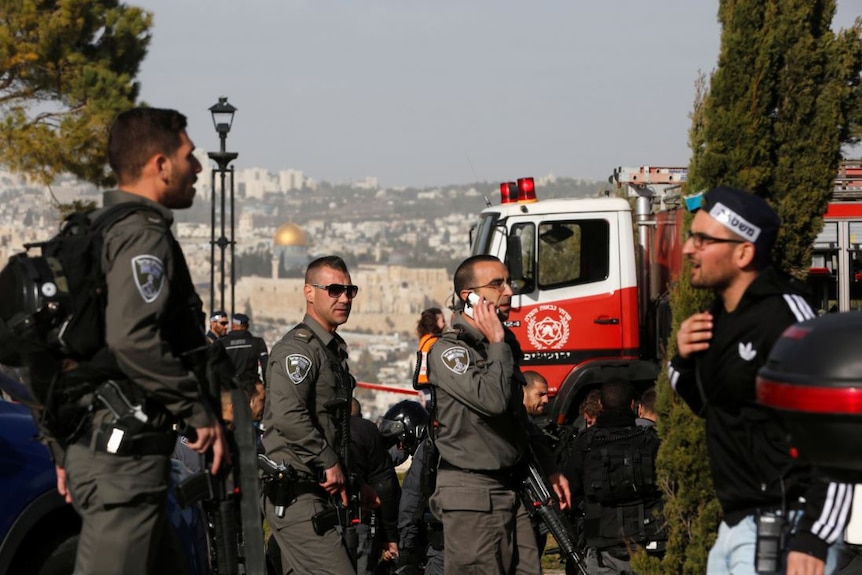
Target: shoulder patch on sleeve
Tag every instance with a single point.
(149, 274)
(457, 359)
(297, 367)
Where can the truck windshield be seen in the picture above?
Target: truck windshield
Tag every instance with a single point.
(484, 234)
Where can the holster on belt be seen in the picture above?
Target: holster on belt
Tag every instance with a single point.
(118, 438)
(280, 491)
(130, 431)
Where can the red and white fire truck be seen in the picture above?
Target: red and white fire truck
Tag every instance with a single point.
(591, 275)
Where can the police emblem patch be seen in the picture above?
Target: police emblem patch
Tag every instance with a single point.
(149, 274)
(297, 367)
(457, 359)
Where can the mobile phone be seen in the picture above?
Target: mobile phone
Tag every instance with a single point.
(472, 299)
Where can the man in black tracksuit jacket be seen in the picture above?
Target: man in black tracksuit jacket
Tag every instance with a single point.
(714, 371)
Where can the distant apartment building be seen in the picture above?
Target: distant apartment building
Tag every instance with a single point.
(367, 183)
(255, 182)
(290, 180)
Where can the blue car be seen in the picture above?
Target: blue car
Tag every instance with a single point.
(38, 529)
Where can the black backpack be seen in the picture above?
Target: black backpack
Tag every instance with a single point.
(621, 498)
(52, 309)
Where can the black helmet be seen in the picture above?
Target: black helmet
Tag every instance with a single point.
(406, 422)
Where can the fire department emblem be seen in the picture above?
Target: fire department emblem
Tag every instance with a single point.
(149, 274)
(297, 367)
(548, 327)
(457, 359)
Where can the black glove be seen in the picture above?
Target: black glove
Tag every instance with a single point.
(407, 563)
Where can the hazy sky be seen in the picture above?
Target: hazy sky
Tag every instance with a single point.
(438, 92)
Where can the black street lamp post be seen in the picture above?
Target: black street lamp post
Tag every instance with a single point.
(222, 113)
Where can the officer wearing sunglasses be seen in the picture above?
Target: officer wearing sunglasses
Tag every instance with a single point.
(308, 382)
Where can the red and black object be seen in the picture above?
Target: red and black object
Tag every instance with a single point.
(813, 381)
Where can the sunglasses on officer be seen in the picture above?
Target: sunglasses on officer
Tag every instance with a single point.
(335, 290)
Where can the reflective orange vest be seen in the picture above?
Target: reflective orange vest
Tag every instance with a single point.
(425, 343)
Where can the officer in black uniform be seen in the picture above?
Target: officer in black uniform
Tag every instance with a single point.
(218, 326)
(306, 418)
(117, 474)
(247, 352)
(611, 472)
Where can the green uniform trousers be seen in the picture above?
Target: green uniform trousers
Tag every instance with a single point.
(122, 502)
(486, 528)
(302, 550)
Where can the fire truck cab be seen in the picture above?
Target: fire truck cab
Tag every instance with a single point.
(576, 272)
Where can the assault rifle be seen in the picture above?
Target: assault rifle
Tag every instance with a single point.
(350, 516)
(540, 501)
(229, 500)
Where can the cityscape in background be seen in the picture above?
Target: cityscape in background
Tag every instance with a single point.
(401, 245)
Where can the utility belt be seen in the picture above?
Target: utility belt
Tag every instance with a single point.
(129, 430)
(114, 439)
(510, 477)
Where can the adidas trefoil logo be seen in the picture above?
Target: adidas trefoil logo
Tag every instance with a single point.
(747, 351)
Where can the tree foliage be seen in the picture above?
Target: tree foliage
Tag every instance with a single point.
(781, 103)
(784, 98)
(67, 67)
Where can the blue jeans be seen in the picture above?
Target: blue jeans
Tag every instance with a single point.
(733, 551)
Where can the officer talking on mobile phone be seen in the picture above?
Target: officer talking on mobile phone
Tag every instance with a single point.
(483, 434)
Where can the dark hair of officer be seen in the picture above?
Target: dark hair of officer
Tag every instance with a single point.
(428, 321)
(617, 394)
(137, 135)
(534, 378)
(464, 275)
(334, 262)
(648, 399)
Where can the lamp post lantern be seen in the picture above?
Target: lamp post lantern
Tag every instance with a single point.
(222, 114)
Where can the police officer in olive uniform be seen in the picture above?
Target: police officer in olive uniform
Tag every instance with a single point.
(308, 390)
(117, 474)
(484, 435)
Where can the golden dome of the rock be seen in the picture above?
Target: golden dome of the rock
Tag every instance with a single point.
(289, 235)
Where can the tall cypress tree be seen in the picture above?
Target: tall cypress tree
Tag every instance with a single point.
(783, 99)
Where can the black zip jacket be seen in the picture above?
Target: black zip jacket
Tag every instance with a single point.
(749, 455)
